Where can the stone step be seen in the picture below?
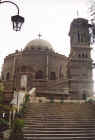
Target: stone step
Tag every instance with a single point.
(50, 109)
(63, 117)
(58, 129)
(63, 109)
(58, 132)
(57, 112)
(60, 135)
(58, 121)
(61, 138)
(59, 126)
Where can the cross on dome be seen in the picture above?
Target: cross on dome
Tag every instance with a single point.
(39, 35)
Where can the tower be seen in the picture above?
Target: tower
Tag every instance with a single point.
(80, 62)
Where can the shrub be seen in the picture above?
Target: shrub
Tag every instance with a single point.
(3, 125)
(62, 100)
(52, 100)
(3, 122)
(27, 98)
(16, 133)
(18, 123)
(19, 114)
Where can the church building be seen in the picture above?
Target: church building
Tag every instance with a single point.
(52, 74)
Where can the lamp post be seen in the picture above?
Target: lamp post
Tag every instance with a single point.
(17, 20)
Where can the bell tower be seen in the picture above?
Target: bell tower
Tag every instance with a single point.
(80, 62)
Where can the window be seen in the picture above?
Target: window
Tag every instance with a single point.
(8, 76)
(52, 76)
(2, 77)
(83, 55)
(84, 96)
(79, 55)
(39, 75)
(61, 73)
(78, 36)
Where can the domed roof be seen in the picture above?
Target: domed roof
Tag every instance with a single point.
(39, 44)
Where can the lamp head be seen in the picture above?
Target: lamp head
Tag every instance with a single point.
(17, 22)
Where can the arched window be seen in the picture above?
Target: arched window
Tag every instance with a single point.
(2, 77)
(39, 75)
(79, 55)
(78, 37)
(83, 55)
(7, 76)
(84, 96)
(52, 76)
(61, 72)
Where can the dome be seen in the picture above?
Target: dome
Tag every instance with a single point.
(39, 44)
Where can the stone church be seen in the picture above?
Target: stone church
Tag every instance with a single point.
(52, 74)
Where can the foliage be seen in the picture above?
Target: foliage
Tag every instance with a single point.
(4, 107)
(3, 125)
(62, 100)
(90, 101)
(1, 87)
(17, 133)
(19, 114)
(84, 97)
(16, 136)
(51, 99)
(27, 98)
(1, 98)
(3, 122)
(18, 123)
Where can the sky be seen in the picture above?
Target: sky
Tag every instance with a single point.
(50, 18)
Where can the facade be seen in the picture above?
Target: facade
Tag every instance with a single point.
(52, 74)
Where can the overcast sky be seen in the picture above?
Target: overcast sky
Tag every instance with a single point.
(51, 18)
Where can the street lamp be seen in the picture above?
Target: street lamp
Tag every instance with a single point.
(17, 20)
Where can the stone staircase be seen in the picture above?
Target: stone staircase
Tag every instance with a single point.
(55, 121)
